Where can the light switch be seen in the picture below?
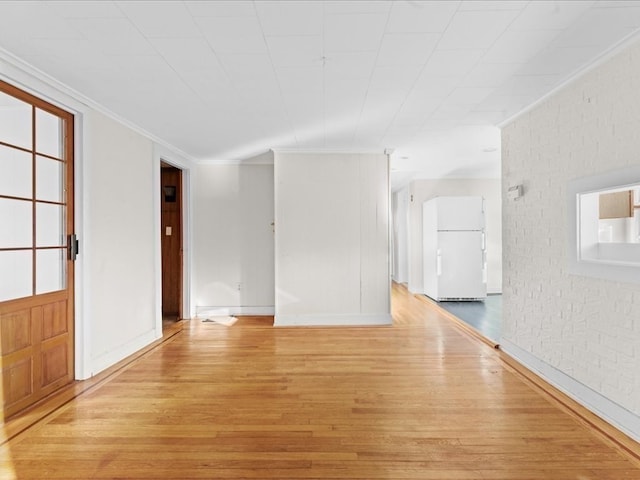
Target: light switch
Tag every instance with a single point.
(167, 231)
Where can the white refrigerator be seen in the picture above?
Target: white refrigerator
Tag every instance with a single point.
(454, 256)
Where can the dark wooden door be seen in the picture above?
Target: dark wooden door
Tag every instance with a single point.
(36, 268)
(171, 233)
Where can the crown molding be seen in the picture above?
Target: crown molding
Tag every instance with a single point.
(24, 74)
(267, 158)
(264, 158)
(311, 151)
(611, 52)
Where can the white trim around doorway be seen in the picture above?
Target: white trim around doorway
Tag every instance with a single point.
(161, 154)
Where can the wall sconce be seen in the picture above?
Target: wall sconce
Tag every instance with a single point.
(515, 192)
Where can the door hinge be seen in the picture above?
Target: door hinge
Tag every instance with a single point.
(74, 247)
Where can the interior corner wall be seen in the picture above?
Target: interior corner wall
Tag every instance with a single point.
(119, 261)
(233, 252)
(582, 333)
(400, 238)
(423, 190)
(332, 239)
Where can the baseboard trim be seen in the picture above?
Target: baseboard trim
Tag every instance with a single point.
(235, 310)
(615, 422)
(22, 421)
(111, 358)
(338, 320)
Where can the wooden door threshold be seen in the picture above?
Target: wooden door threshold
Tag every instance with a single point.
(459, 323)
(26, 419)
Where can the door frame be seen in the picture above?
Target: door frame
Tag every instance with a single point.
(39, 102)
(179, 227)
(163, 155)
(34, 82)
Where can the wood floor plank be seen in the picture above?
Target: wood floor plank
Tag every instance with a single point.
(421, 399)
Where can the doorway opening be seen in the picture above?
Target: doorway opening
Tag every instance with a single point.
(171, 235)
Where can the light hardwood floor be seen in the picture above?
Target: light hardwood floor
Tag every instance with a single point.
(419, 400)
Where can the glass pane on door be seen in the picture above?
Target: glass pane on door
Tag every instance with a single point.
(50, 225)
(15, 122)
(48, 134)
(16, 279)
(50, 270)
(35, 214)
(49, 180)
(15, 176)
(17, 225)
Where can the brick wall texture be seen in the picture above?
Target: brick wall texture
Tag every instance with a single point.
(586, 327)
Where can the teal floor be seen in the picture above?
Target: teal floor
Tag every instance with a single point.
(485, 317)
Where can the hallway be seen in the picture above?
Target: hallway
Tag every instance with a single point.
(418, 400)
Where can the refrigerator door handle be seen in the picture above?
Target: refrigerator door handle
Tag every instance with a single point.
(438, 263)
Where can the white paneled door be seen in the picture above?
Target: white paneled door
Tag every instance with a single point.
(36, 248)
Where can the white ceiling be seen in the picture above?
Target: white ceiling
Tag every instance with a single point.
(228, 80)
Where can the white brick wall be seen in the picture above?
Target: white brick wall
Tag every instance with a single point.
(587, 328)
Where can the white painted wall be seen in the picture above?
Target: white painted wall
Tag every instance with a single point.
(400, 221)
(582, 333)
(118, 240)
(422, 190)
(117, 217)
(233, 239)
(115, 183)
(332, 239)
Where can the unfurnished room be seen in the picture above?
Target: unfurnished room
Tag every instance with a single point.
(320, 239)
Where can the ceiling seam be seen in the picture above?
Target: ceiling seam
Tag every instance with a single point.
(420, 73)
(355, 134)
(273, 69)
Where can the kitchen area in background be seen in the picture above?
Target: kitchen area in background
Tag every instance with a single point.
(455, 262)
(451, 251)
(619, 215)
